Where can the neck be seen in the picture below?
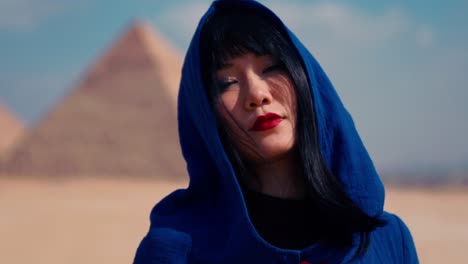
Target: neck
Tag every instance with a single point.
(279, 178)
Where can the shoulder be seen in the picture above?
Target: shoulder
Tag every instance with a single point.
(395, 237)
(164, 245)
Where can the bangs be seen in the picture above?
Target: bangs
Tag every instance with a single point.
(232, 35)
(227, 35)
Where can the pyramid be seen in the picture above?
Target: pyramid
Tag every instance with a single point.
(120, 120)
(11, 129)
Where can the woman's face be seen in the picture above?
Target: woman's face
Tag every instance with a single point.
(257, 103)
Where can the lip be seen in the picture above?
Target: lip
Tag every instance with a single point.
(266, 122)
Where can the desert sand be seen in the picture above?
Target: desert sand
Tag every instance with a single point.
(103, 221)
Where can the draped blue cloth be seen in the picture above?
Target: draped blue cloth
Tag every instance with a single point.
(208, 222)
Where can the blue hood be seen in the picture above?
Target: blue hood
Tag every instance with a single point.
(211, 214)
(340, 143)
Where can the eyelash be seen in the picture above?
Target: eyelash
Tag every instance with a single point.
(273, 67)
(224, 85)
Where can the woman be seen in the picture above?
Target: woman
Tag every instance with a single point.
(278, 173)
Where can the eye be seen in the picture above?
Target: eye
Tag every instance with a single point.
(274, 67)
(223, 85)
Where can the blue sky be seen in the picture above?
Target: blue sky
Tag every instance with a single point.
(401, 67)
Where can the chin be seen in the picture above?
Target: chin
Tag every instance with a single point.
(268, 147)
(271, 152)
(277, 154)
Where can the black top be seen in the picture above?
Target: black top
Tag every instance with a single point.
(285, 223)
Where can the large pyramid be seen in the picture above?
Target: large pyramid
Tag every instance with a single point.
(11, 129)
(120, 120)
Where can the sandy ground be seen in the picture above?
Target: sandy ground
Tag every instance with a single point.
(90, 221)
(438, 220)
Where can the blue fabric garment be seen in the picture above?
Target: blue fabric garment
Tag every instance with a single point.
(208, 221)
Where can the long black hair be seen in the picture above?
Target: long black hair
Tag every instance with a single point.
(231, 32)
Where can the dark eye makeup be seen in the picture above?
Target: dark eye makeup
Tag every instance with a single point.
(274, 67)
(223, 85)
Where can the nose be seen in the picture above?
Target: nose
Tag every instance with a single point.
(257, 93)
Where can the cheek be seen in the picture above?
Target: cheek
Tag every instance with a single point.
(229, 100)
(230, 110)
(227, 114)
(285, 93)
(291, 104)
(238, 136)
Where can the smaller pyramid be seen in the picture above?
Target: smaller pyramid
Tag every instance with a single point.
(11, 129)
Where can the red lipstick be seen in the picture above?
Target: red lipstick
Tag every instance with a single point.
(265, 122)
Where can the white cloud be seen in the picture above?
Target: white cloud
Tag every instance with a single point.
(25, 15)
